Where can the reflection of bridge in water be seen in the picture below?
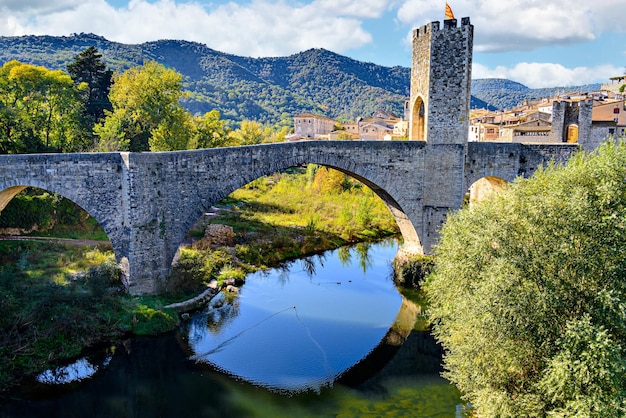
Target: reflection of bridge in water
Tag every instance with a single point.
(146, 202)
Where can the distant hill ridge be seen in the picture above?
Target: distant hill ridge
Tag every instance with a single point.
(271, 90)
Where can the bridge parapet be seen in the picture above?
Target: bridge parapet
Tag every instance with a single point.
(508, 161)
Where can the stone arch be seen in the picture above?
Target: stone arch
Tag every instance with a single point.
(418, 120)
(572, 133)
(483, 187)
(385, 192)
(9, 191)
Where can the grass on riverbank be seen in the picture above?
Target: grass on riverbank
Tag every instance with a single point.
(55, 300)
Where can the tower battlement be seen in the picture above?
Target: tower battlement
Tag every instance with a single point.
(436, 25)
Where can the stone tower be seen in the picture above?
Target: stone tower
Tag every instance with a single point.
(439, 111)
(441, 82)
(572, 116)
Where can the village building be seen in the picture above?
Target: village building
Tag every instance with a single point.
(401, 129)
(531, 131)
(615, 84)
(369, 130)
(310, 126)
(593, 116)
(352, 129)
(382, 125)
(609, 119)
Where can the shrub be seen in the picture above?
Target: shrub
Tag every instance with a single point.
(528, 295)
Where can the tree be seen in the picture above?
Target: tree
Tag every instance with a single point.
(41, 110)
(250, 133)
(145, 102)
(209, 131)
(89, 68)
(528, 296)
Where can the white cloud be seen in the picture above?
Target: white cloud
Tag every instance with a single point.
(36, 6)
(538, 75)
(366, 9)
(259, 28)
(516, 25)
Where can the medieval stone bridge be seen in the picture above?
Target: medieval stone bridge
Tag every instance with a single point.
(147, 202)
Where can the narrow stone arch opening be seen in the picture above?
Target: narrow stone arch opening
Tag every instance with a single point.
(572, 133)
(483, 188)
(418, 120)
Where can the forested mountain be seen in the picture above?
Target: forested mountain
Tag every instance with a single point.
(506, 94)
(270, 90)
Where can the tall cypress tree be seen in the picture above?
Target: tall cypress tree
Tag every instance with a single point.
(88, 67)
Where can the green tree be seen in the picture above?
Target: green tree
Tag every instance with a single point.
(249, 133)
(41, 110)
(145, 102)
(528, 296)
(89, 68)
(210, 131)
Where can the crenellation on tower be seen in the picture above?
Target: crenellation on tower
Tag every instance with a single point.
(449, 23)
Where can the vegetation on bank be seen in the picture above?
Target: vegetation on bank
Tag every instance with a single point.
(528, 295)
(56, 300)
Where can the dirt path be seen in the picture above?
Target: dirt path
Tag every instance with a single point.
(68, 241)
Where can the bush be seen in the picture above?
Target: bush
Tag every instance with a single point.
(528, 296)
(27, 212)
(412, 271)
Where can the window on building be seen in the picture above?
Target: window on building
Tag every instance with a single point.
(616, 110)
(611, 131)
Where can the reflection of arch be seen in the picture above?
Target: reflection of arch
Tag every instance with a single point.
(572, 133)
(418, 120)
(484, 187)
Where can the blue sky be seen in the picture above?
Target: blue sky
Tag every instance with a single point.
(540, 43)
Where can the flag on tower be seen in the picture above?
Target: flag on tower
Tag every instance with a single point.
(449, 14)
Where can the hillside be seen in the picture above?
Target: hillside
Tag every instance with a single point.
(270, 90)
(506, 94)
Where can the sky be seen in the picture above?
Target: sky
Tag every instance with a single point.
(539, 43)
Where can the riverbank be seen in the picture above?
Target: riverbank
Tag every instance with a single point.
(57, 298)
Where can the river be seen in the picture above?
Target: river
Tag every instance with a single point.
(328, 335)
